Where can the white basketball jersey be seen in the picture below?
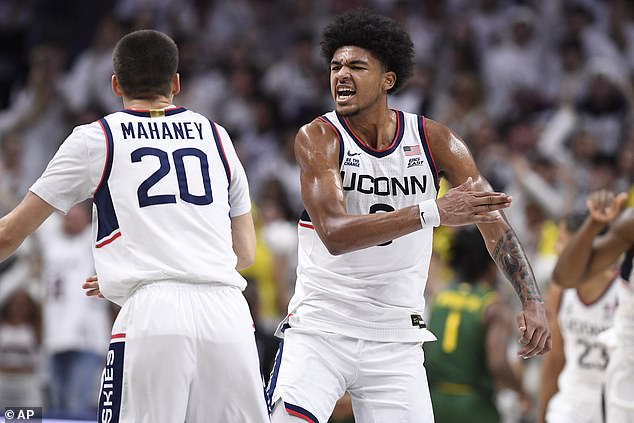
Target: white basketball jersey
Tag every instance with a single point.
(375, 293)
(168, 182)
(581, 323)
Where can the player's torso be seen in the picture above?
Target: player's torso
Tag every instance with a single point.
(581, 323)
(162, 208)
(386, 277)
(459, 355)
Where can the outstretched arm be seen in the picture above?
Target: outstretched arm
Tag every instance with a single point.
(21, 222)
(317, 154)
(587, 253)
(455, 161)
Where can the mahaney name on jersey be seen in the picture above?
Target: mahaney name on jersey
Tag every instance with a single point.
(162, 130)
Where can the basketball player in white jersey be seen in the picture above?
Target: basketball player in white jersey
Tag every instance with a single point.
(369, 178)
(171, 225)
(573, 373)
(588, 254)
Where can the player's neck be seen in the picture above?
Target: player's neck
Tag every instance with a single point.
(143, 104)
(377, 128)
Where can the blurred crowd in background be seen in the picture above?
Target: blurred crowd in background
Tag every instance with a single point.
(541, 91)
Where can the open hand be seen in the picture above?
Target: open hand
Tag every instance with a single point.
(465, 204)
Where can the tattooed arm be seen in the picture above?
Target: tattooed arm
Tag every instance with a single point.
(455, 161)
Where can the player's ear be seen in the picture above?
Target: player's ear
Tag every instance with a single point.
(389, 80)
(176, 84)
(114, 84)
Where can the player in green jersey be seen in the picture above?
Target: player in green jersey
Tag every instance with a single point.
(473, 327)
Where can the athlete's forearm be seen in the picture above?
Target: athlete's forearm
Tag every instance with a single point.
(511, 259)
(347, 233)
(573, 262)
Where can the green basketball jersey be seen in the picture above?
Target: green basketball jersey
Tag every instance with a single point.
(456, 363)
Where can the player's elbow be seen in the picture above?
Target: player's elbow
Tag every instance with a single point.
(334, 247)
(245, 258)
(335, 243)
(8, 243)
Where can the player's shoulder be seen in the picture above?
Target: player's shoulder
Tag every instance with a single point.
(317, 130)
(91, 129)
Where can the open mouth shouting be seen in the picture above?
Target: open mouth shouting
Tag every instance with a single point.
(344, 94)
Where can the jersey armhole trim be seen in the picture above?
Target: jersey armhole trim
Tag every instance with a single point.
(221, 151)
(107, 166)
(422, 131)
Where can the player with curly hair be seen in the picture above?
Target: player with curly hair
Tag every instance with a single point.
(369, 180)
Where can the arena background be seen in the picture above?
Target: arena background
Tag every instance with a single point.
(541, 91)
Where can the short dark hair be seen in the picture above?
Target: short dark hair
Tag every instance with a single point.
(380, 35)
(469, 256)
(144, 63)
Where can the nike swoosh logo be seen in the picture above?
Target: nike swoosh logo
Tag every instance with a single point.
(422, 216)
(351, 154)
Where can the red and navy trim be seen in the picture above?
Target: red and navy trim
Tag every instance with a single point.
(107, 222)
(302, 413)
(422, 132)
(304, 220)
(400, 129)
(324, 119)
(221, 151)
(147, 113)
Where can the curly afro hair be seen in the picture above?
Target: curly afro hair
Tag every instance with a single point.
(381, 36)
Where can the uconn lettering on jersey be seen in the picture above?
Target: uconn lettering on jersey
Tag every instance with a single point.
(383, 185)
(162, 130)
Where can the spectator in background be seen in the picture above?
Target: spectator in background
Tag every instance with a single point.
(603, 108)
(38, 113)
(473, 326)
(76, 327)
(10, 170)
(20, 343)
(515, 65)
(87, 83)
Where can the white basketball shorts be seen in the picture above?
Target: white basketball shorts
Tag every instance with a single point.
(183, 352)
(386, 380)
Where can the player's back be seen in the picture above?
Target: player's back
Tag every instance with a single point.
(162, 208)
(462, 386)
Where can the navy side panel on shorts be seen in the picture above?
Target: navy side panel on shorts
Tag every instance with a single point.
(112, 381)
